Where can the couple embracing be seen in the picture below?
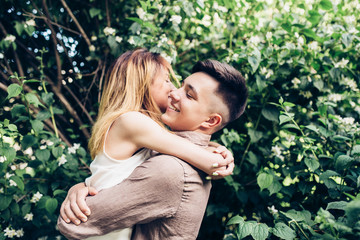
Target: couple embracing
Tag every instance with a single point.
(150, 181)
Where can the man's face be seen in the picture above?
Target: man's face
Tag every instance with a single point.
(160, 88)
(190, 105)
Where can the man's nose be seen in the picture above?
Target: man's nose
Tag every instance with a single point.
(174, 94)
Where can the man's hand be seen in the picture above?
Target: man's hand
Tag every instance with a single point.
(74, 207)
(226, 167)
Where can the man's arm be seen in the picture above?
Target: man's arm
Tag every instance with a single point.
(152, 191)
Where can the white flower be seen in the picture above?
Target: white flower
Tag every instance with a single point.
(10, 38)
(12, 183)
(1, 190)
(300, 41)
(348, 121)
(131, 40)
(141, 13)
(1, 55)
(335, 97)
(8, 175)
(352, 30)
(242, 20)
(269, 35)
(76, 146)
(263, 70)
(175, 19)
(118, 39)
(37, 196)
(286, 7)
(276, 150)
(92, 48)
(269, 73)
(20, 233)
(163, 38)
(290, 138)
(42, 147)
(313, 46)
(72, 150)
(272, 210)
(2, 159)
(206, 21)
(62, 160)
(342, 63)
(351, 84)
(29, 151)
(109, 31)
(29, 217)
(176, 9)
(93, 38)
(10, 233)
(30, 22)
(350, 19)
(254, 40)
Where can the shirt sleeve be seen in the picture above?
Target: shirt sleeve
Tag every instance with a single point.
(153, 191)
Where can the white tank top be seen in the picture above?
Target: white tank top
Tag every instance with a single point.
(107, 172)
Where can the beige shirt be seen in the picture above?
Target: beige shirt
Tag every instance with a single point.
(164, 197)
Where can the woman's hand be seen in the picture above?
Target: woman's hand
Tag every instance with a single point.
(74, 208)
(223, 168)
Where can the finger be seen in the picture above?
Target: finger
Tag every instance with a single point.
(62, 212)
(70, 215)
(220, 149)
(92, 191)
(77, 211)
(81, 204)
(223, 173)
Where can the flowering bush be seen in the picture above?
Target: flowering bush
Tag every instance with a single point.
(296, 148)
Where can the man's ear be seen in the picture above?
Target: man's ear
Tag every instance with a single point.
(213, 121)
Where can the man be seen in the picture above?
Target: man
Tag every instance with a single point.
(165, 197)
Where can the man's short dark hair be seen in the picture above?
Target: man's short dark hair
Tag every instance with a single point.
(232, 86)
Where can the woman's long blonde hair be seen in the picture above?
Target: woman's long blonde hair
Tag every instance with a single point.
(127, 88)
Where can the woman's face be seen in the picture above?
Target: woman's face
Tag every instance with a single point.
(161, 87)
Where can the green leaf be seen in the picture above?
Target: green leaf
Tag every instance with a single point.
(255, 135)
(13, 90)
(264, 180)
(310, 33)
(37, 125)
(312, 163)
(356, 150)
(287, 27)
(352, 211)
(57, 152)
(342, 162)
(19, 27)
(8, 152)
(42, 154)
(51, 205)
(19, 182)
(270, 113)
(94, 12)
(48, 98)
(245, 229)
(326, 4)
(260, 231)
(254, 59)
(59, 192)
(18, 110)
(235, 220)
(5, 201)
(27, 141)
(43, 114)
(138, 20)
(282, 231)
(290, 125)
(149, 25)
(289, 104)
(32, 99)
(314, 17)
(275, 187)
(284, 119)
(340, 205)
(313, 128)
(340, 139)
(299, 216)
(12, 127)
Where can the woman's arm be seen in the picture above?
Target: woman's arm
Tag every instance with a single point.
(145, 132)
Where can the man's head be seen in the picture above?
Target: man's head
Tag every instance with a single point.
(214, 95)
